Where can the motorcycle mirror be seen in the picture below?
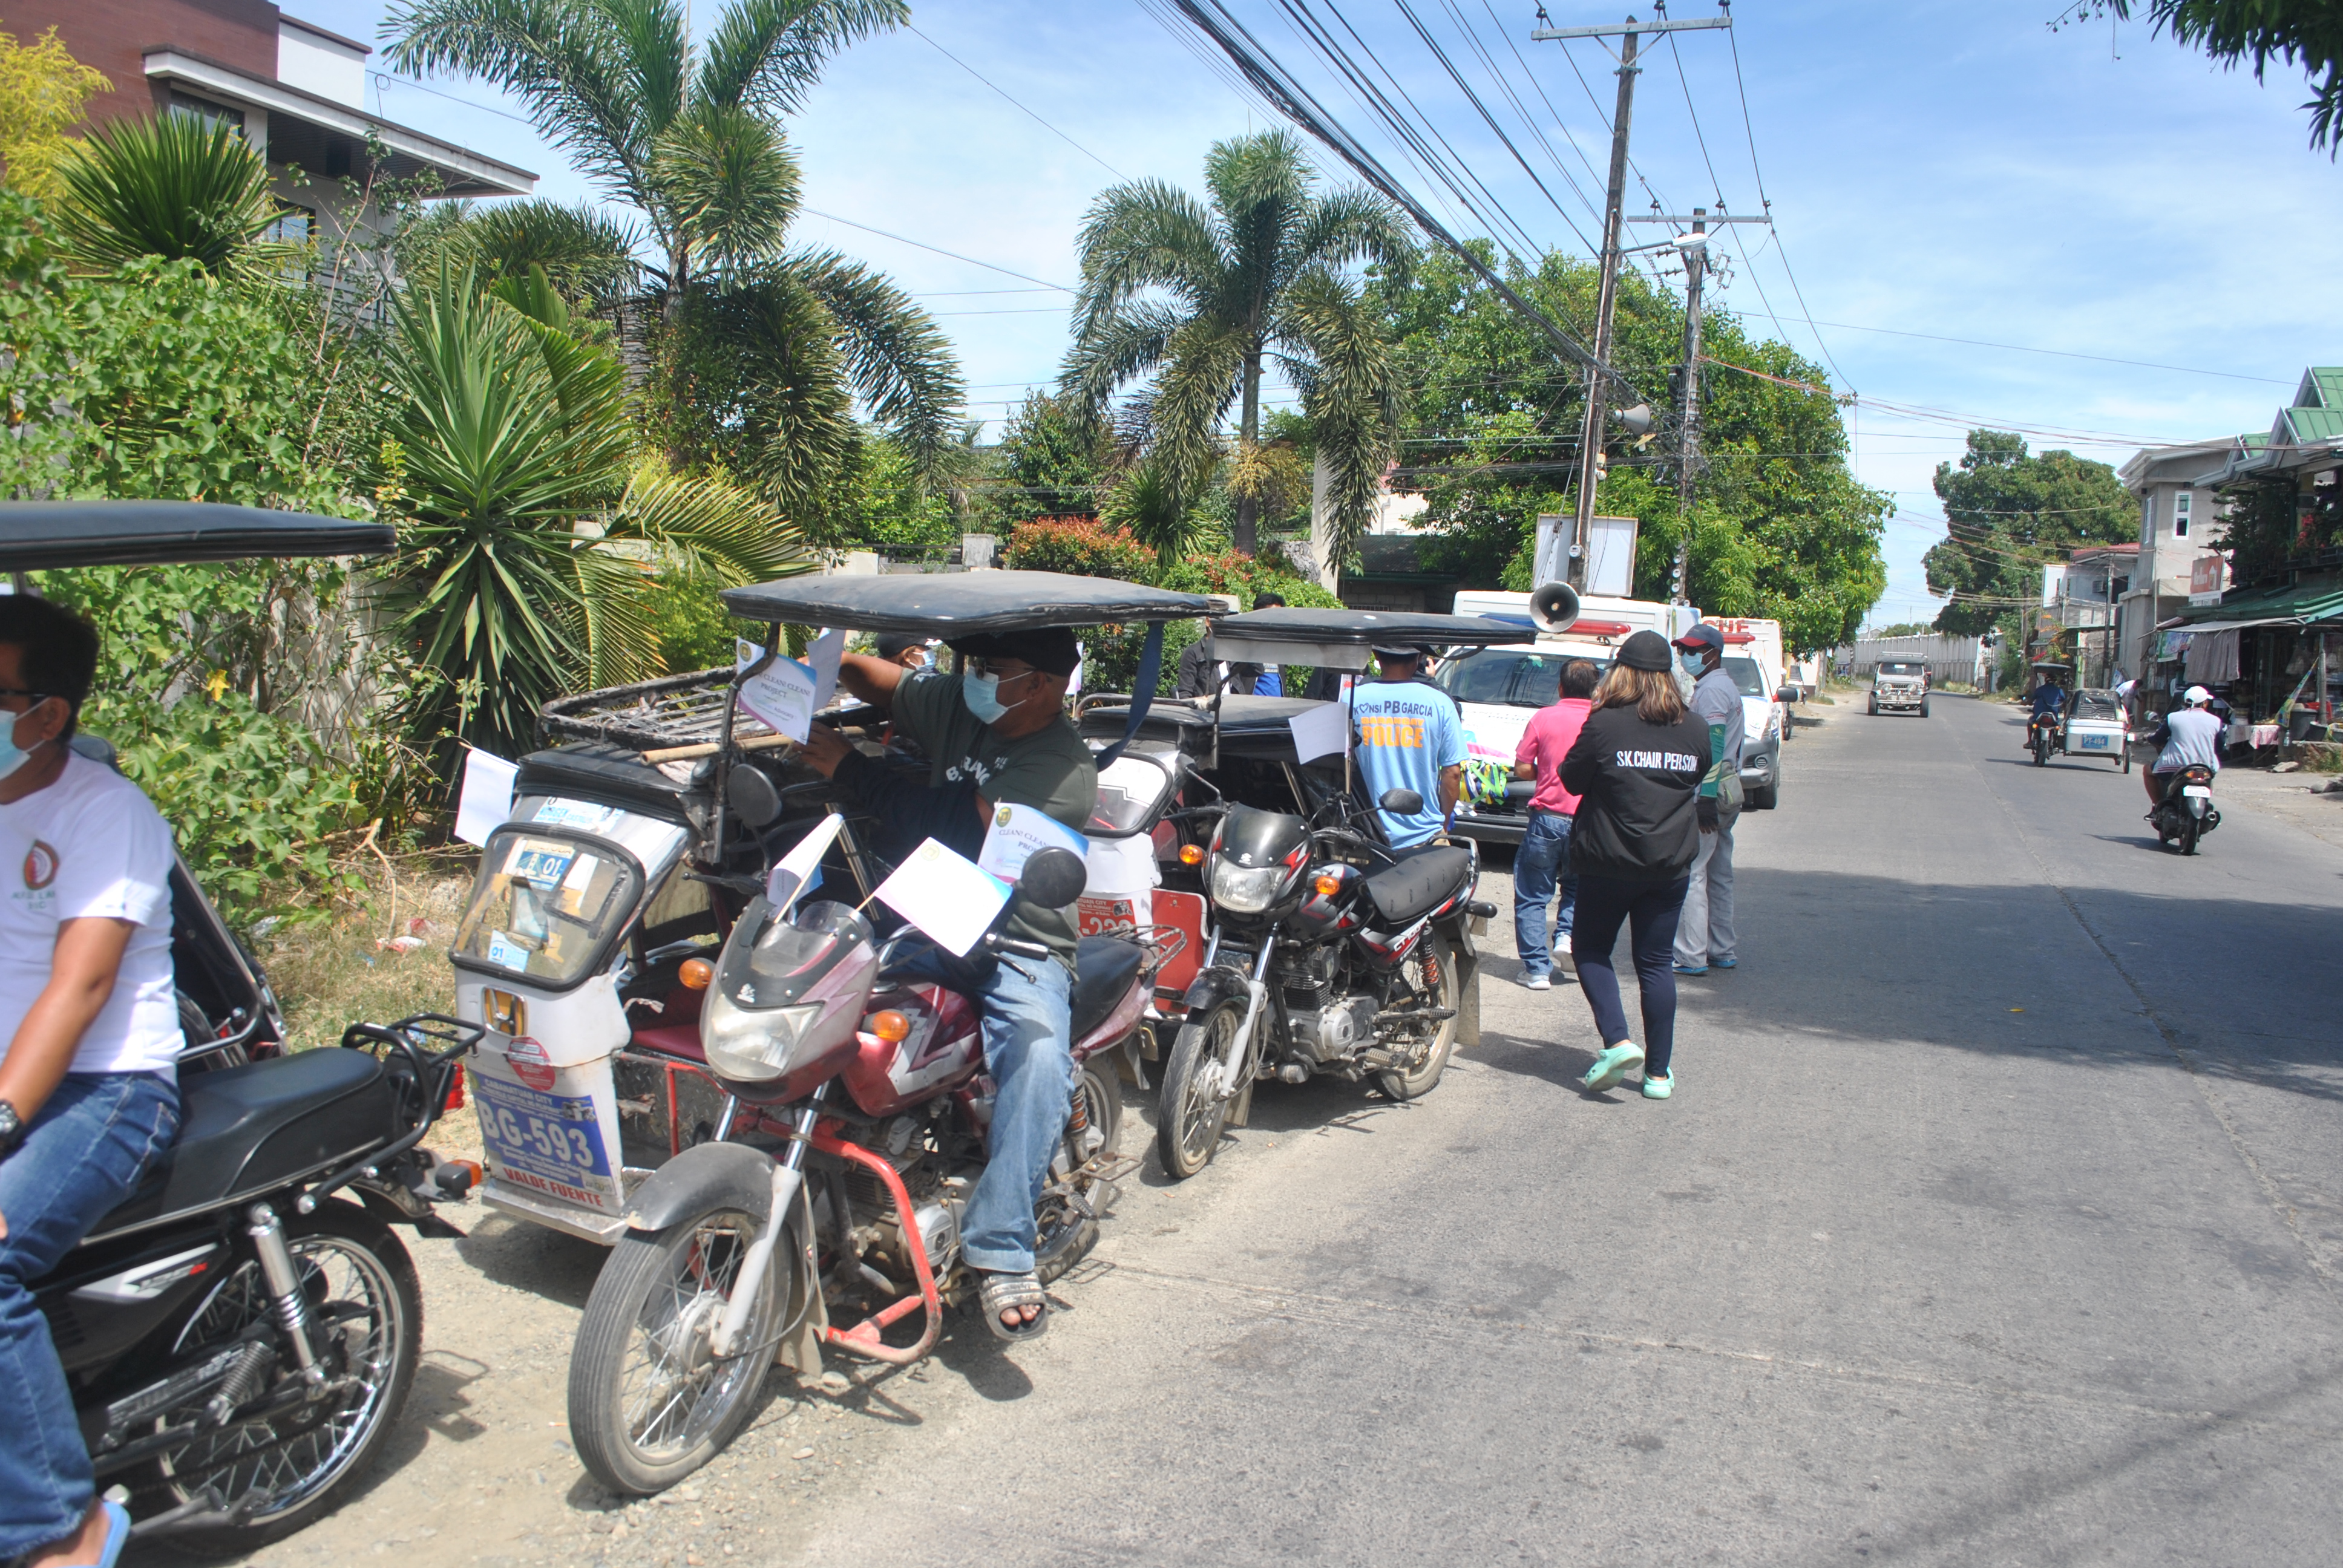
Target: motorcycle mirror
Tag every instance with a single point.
(1052, 879)
(754, 799)
(1402, 802)
(1787, 694)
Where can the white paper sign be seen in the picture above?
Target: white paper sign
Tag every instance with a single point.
(822, 658)
(1016, 832)
(945, 895)
(800, 871)
(782, 694)
(486, 797)
(1320, 730)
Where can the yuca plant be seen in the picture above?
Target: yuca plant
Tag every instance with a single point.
(172, 187)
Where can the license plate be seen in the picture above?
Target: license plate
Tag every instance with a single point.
(550, 1143)
(2094, 742)
(2196, 791)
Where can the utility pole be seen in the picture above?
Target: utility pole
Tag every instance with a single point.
(1590, 447)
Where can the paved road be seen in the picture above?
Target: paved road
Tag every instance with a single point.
(1997, 1219)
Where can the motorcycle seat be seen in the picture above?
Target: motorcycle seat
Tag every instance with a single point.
(245, 1130)
(1402, 894)
(1103, 967)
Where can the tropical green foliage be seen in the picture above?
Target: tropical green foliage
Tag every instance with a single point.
(530, 537)
(1779, 527)
(170, 187)
(760, 353)
(1184, 303)
(885, 505)
(1078, 546)
(42, 90)
(2007, 513)
(1050, 463)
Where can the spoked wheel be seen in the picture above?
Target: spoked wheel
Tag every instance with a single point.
(1431, 972)
(650, 1400)
(1102, 1102)
(292, 1466)
(1194, 1106)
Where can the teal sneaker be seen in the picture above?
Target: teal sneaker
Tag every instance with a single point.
(1615, 1063)
(1659, 1086)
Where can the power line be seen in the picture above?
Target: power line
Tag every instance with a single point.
(1021, 108)
(922, 244)
(2025, 348)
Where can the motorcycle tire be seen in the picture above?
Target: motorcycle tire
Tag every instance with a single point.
(1433, 951)
(2126, 760)
(1924, 707)
(1874, 706)
(342, 1253)
(1189, 1116)
(1101, 1089)
(665, 1290)
(2189, 831)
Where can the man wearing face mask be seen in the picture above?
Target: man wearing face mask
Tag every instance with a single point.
(1705, 934)
(88, 1088)
(997, 733)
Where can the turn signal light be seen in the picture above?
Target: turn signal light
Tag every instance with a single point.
(696, 974)
(1327, 885)
(1192, 854)
(455, 1092)
(890, 1026)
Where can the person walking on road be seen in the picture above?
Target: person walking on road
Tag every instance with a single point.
(1638, 766)
(1544, 859)
(1705, 938)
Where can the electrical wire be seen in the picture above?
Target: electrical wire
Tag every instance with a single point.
(922, 244)
(1029, 114)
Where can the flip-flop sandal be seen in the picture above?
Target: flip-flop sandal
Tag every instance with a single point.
(998, 1293)
(117, 1535)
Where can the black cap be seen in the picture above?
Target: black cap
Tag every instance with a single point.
(1051, 647)
(1644, 650)
(892, 645)
(1394, 650)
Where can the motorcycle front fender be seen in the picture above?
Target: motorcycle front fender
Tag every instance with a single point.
(703, 1177)
(1222, 983)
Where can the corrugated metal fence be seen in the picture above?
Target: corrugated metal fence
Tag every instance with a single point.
(1961, 659)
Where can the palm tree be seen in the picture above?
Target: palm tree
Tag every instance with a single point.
(532, 537)
(762, 351)
(1194, 299)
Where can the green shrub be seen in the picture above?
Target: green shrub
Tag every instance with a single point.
(1078, 546)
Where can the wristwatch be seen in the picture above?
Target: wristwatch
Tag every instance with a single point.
(12, 1129)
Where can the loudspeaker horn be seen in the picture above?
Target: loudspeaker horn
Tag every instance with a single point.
(1554, 606)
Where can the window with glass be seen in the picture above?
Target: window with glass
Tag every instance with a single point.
(546, 907)
(2180, 515)
(212, 114)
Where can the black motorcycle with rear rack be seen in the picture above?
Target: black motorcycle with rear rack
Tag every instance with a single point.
(241, 1333)
(1330, 952)
(710, 1063)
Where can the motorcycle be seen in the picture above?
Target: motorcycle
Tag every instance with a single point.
(2186, 814)
(863, 1113)
(2041, 735)
(1352, 961)
(239, 1337)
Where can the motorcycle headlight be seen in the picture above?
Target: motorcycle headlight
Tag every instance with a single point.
(1246, 893)
(752, 1044)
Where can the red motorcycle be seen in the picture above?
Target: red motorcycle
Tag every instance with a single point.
(838, 1189)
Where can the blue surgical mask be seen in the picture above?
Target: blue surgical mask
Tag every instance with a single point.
(1693, 663)
(12, 756)
(982, 695)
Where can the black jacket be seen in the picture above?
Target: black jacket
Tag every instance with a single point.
(1639, 812)
(1200, 676)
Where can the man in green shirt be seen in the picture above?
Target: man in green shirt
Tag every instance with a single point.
(998, 729)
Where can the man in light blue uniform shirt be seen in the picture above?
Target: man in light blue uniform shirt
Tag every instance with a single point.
(1410, 736)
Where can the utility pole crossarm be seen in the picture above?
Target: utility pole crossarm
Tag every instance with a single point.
(1720, 218)
(1547, 35)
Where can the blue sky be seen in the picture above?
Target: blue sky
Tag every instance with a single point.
(1950, 169)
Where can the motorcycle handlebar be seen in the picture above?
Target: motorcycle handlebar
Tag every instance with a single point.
(1001, 944)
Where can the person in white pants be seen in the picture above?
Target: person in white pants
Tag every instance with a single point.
(1705, 935)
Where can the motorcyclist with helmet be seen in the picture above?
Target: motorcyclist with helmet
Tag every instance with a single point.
(2049, 702)
(2187, 737)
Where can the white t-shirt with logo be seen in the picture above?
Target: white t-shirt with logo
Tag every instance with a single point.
(91, 845)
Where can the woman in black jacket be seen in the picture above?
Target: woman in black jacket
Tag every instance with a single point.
(1638, 767)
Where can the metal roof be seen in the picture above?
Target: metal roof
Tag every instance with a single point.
(2297, 604)
(39, 536)
(960, 604)
(2322, 387)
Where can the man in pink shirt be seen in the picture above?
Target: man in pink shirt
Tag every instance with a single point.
(1543, 862)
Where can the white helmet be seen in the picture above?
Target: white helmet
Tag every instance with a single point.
(2195, 696)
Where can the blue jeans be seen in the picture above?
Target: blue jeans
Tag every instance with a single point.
(1029, 1049)
(85, 1151)
(1650, 911)
(1542, 861)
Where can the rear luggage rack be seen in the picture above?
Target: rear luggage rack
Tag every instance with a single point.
(652, 715)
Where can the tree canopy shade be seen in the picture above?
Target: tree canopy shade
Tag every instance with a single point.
(1778, 525)
(2008, 513)
(2235, 31)
(1189, 300)
(761, 351)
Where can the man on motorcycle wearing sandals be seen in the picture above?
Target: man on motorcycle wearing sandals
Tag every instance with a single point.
(88, 1087)
(2188, 736)
(998, 733)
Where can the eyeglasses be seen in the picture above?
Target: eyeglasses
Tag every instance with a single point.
(36, 695)
(979, 666)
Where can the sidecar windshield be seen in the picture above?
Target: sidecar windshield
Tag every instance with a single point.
(546, 906)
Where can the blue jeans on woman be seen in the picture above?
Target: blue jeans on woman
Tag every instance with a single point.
(1541, 862)
(1650, 911)
(1029, 1049)
(84, 1153)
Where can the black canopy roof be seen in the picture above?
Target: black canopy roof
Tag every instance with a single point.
(1338, 637)
(952, 604)
(38, 536)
